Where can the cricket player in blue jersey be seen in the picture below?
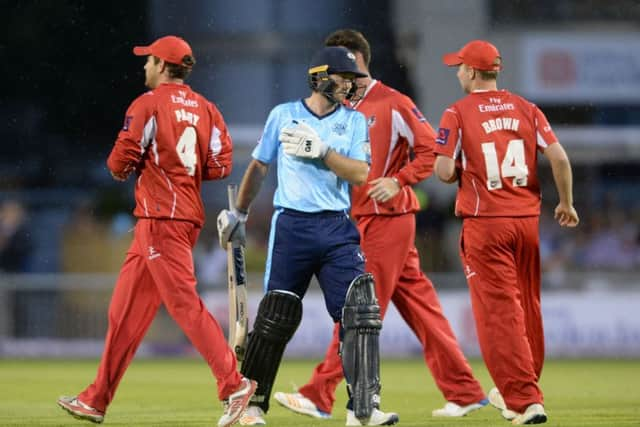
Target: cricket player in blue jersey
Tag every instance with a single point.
(321, 148)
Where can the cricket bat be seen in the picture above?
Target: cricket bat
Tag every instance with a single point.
(238, 316)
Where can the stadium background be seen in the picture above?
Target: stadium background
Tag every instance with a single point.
(70, 75)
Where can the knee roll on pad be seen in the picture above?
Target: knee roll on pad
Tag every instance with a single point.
(278, 317)
(360, 349)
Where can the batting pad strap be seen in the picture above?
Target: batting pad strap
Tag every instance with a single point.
(278, 317)
(362, 316)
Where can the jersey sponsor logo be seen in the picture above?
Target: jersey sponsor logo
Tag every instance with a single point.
(418, 114)
(339, 128)
(183, 100)
(371, 121)
(153, 253)
(443, 136)
(468, 272)
(490, 108)
(127, 123)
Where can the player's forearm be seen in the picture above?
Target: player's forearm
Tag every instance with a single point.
(122, 161)
(562, 175)
(251, 183)
(353, 171)
(563, 178)
(218, 166)
(445, 168)
(419, 169)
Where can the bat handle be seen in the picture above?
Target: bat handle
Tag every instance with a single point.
(232, 193)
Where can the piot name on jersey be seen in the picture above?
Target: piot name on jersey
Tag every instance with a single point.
(187, 116)
(501, 123)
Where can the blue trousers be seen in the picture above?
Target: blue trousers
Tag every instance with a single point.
(325, 244)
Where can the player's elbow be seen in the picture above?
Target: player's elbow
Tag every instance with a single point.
(445, 169)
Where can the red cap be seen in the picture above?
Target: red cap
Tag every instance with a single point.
(478, 54)
(169, 48)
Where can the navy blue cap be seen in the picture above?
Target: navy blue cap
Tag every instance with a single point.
(334, 60)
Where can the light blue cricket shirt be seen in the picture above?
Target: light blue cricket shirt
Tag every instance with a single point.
(308, 185)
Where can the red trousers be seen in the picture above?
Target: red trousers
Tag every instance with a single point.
(501, 259)
(158, 270)
(392, 258)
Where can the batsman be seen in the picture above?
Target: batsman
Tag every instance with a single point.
(320, 148)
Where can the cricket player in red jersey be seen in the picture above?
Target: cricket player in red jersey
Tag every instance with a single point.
(385, 213)
(494, 136)
(172, 139)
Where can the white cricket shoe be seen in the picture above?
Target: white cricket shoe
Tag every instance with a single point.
(534, 414)
(496, 400)
(253, 416)
(80, 410)
(377, 418)
(237, 402)
(296, 402)
(451, 409)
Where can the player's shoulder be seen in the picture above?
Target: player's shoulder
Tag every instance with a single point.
(390, 95)
(145, 100)
(286, 108)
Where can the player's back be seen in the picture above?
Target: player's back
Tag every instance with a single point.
(499, 135)
(177, 132)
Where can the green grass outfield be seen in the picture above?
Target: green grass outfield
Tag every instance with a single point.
(181, 392)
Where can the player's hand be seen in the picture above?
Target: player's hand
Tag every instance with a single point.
(119, 176)
(124, 174)
(566, 215)
(231, 227)
(303, 141)
(383, 189)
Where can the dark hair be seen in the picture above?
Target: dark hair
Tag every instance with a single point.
(179, 71)
(352, 40)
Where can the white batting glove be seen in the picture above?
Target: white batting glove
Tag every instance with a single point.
(303, 141)
(231, 227)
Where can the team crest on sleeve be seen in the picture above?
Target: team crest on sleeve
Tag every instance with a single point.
(339, 128)
(443, 135)
(418, 114)
(127, 123)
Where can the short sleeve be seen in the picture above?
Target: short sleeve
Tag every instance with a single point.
(544, 134)
(267, 148)
(360, 149)
(448, 135)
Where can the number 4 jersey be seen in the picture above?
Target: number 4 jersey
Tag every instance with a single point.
(494, 136)
(173, 138)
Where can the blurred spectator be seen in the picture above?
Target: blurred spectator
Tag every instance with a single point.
(210, 259)
(93, 246)
(15, 237)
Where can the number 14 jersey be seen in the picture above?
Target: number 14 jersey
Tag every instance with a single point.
(494, 137)
(173, 138)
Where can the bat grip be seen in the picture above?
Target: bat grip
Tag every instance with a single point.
(232, 193)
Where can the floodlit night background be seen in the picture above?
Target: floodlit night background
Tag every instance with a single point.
(69, 75)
